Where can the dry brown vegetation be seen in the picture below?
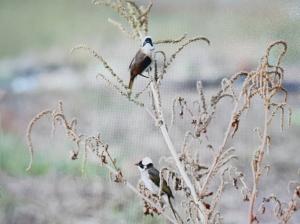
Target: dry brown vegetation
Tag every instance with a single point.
(199, 187)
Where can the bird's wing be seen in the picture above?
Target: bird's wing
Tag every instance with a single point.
(134, 58)
(140, 61)
(154, 176)
(131, 63)
(146, 62)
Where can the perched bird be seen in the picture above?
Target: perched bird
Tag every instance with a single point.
(151, 179)
(142, 60)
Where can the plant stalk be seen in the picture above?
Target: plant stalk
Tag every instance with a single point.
(173, 152)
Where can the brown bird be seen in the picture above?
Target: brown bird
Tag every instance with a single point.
(142, 60)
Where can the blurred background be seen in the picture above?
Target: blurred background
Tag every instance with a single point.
(37, 70)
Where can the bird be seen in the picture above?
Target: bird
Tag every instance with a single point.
(151, 178)
(142, 60)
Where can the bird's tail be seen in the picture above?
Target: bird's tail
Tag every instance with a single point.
(176, 215)
(130, 83)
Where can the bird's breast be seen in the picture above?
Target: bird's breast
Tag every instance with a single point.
(149, 184)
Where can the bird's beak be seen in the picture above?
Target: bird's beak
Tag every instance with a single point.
(136, 164)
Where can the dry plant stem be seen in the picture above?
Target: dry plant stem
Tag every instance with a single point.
(71, 132)
(256, 172)
(172, 150)
(102, 60)
(120, 26)
(222, 146)
(28, 134)
(171, 41)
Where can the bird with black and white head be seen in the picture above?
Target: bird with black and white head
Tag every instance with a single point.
(142, 60)
(151, 178)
